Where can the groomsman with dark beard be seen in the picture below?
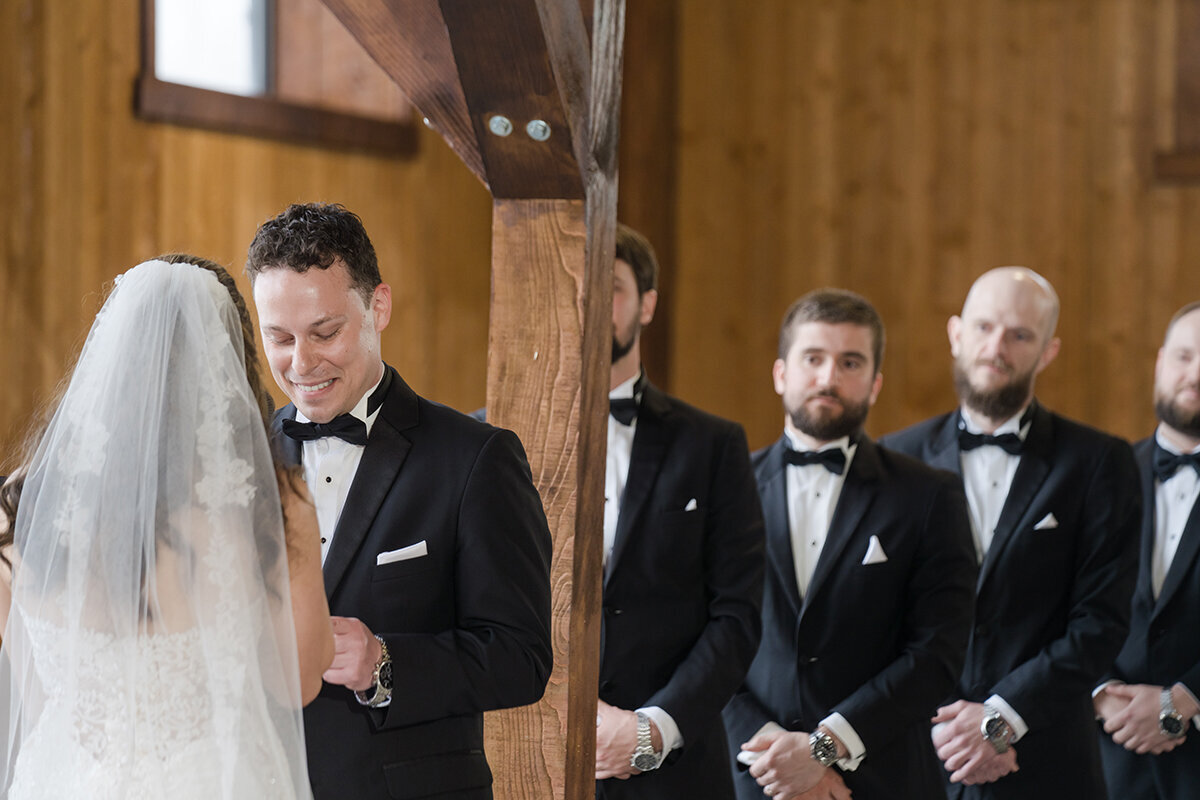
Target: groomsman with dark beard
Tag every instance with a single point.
(683, 566)
(869, 583)
(1055, 512)
(1149, 705)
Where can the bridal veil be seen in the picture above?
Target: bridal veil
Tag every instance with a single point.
(150, 650)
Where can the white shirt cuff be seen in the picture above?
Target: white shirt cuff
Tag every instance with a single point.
(856, 751)
(1195, 719)
(667, 728)
(1103, 686)
(1010, 716)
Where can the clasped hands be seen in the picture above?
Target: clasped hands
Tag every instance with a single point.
(967, 756)
(785, 768)
(1130, 713)
(356, 651)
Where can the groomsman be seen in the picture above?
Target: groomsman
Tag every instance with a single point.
(1149, 707)
(1055, 510)
(683, 565)
(869, 583)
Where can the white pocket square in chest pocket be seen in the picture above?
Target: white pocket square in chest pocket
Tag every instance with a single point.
(691, 505)
(875, 554)
(403, 554)
(1047, 523)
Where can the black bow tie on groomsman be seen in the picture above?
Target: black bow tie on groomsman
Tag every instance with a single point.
(624, 409)
(347, 427)
(1010, 443)
(833, 459)
(1166, 463)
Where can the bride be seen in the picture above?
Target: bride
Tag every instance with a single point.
(163, 609)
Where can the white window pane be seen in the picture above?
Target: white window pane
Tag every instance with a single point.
(212, 44)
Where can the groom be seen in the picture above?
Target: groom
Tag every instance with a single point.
(434, 543)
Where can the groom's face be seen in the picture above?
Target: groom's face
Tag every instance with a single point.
(320, 338)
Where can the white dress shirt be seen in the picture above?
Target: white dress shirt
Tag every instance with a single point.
(1174, 499)
(616, 471)
(987, 478)
(329, 468)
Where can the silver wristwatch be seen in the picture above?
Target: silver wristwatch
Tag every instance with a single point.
(644, 757)
(381, 678)
(823, 748)
(996, 730)
(1170, 722)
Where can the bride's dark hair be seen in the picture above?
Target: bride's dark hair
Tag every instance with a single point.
(10, 492)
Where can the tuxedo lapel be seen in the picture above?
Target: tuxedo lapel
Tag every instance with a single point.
(1031, 474)
(381, 462)
(773, 494)
(1185, 557)
(650, 442)
(943, 450)
(858, 491)
(1144, 585)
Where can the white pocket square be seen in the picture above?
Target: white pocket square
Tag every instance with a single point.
(403, 554)
(1048, 523)
(691, 505)
(875, 554)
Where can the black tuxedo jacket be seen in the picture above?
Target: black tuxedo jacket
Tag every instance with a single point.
(682, 591)
(1052, 604)
(1163, 647)
(879, 643)
(467, 625)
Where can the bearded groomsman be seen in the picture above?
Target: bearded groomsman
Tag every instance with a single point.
(867, 602)
(1055, 511)
(1149, 706)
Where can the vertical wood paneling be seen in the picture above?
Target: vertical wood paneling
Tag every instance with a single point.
(902, 148)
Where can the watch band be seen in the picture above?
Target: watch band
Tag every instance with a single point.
(382, 692)
(823, 748)
(1170, 722)
(644, 758)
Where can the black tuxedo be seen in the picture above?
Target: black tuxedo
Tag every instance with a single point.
(682, 590)
(879, 643)
(1163, 647)
(467, 625)
(1052, 605)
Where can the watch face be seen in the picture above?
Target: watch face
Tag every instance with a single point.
(645, 761)
(1171, 724)
(823, 750)
(385, 675)
(994, 727)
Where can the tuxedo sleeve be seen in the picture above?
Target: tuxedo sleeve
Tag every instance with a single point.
(498, 654)
(1045, 686)
(939, 603)
(733, 565)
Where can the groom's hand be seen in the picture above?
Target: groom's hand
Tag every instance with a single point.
(355, 653)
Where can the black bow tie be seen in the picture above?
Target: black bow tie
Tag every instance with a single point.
(1166, 462)
(346, 427)
(833, 459)
(623, 409)
(1008, 442)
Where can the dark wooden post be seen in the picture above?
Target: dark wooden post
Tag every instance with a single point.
(481, 73)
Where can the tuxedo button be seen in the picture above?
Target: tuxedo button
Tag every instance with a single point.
(606, 686)
(616, 612)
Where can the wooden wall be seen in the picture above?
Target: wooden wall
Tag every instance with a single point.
(894, 147)
(89, 191)
(902, 147)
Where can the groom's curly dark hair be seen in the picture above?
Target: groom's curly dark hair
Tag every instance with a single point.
(308, 235)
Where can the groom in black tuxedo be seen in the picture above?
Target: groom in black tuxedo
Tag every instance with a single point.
(869, 583)
(1055, 513)
(434, 544)
(683, 570)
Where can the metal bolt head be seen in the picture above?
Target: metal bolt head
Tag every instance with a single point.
(500, 125)
(538, 130)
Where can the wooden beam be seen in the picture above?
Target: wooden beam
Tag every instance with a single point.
(504, 66)
(409, 40)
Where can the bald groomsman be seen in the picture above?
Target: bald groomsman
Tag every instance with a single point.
(1055, 512)
(1149, 708)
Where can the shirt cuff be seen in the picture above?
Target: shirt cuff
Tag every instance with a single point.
(1195, 719)
(1103, 686)
(1010, 716)
(667, 729)
(856, 751)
